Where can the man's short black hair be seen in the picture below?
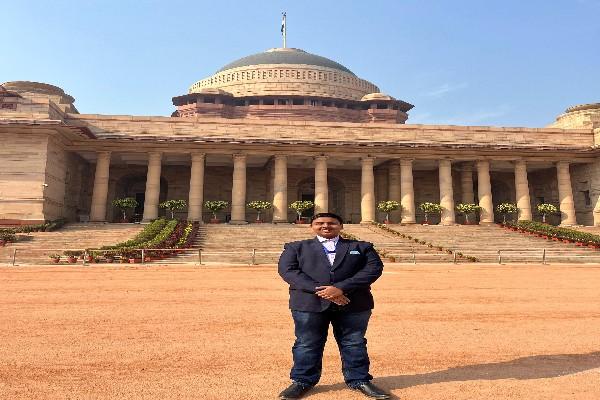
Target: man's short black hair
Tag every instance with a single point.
(327, 214)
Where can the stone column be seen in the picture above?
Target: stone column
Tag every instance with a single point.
(321, 189)
(367, 191)
(280, 183)
(466, 184)
(565, 194)
(407, 192)
(196, 196)
(152, 186)
(100, 193)
(522, 191)
(238, 190)
(446, 192)
(484, 192)
(394, 190)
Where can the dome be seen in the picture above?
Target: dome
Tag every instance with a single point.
(286, 72)
(377, 96)
(288, 56)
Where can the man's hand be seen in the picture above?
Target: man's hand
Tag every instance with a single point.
(328, 292)
(341, 300)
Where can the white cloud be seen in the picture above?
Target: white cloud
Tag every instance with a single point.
(479, 117)
(445, 89)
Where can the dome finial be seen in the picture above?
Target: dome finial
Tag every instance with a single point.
(283, 29)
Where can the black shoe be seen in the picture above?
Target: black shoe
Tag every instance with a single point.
(372, 391)
(294, 391)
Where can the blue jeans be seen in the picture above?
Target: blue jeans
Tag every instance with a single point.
(349, 329)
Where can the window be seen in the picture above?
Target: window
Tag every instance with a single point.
(208, 100)
(268, 102)
(298, 102)
(282, 102)
(240, 102)
(381, 106)
(326, 104)
(314, 102)
(253, 102)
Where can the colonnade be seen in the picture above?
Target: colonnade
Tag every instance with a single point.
(400, 188)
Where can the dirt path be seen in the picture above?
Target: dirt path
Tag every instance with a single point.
(438, 332)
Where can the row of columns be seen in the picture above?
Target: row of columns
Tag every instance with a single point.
(400, 188)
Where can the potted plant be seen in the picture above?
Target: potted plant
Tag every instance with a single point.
(109, 257)
(71, 256)
(387, 207)
(430, 208)
(55, 258)
(259, 206)
(545, 209)
(506, 208)
(467, 209)
(173, 205)
(124, 204)
(215, 206)
(300, 206)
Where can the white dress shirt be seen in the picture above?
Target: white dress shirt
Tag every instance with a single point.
(330, 245)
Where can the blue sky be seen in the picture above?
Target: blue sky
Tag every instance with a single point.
(502, 63)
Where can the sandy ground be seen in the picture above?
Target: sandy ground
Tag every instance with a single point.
(437, 332)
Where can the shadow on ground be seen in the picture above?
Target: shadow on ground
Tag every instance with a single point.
(533, 367)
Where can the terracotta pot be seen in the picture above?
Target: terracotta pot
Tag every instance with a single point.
(135, 260)
(2, 243)
(89, 259)
(215, 221)
(299, 221)
(56, 260)
(579, 244)
(387, 222)
(71, 260)
(566, 241)
(258, 221)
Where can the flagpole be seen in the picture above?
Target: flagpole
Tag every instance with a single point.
(284, 30)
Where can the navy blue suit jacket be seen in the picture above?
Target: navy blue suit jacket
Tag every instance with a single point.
(304, 265)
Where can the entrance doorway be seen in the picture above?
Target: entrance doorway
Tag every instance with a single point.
(135, 186)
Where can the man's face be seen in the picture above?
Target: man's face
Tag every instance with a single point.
(326, 227)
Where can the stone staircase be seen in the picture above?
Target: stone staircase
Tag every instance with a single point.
(484, 242)
(35, 247)
(403, 250)
(235, 244)
(224, 243)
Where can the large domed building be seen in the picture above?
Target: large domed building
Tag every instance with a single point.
(284, 125)
(291, 84)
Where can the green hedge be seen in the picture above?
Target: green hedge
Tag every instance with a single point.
(556, 232)
(47, 226)
(148, 233)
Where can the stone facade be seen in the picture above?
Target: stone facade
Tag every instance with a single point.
(284, 132)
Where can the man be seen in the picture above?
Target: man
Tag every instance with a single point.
(330, 280)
